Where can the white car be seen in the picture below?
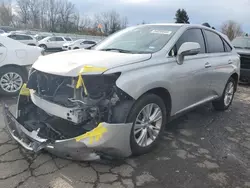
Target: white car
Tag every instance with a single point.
(25, 39)
(78, 44)
(53, 42)
(15, 60)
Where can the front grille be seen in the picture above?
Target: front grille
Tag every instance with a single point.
(51, 87)
(245, 61)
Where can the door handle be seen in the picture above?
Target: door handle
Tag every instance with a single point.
(230, 61)
(208, 65)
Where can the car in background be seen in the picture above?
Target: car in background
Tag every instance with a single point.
(79, 44)
(242, 46)
(23, 38)
(55, 42)
(15, 60)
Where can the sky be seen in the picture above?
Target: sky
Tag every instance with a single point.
(215, 12)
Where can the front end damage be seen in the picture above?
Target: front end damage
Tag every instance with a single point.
(73, 117)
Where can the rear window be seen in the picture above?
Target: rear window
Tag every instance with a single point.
(68, 39)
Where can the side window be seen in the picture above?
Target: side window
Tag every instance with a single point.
(68, 39)
(52, 39)
(28, 38)
(12, 37)
(19, 37)
(59, 39)
(227, 47)
(192, 35)
(214, 42)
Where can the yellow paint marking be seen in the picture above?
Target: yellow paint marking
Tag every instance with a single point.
(94, 135)
(25, 91)
(87, 69)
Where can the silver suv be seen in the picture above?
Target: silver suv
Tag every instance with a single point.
(116, 98)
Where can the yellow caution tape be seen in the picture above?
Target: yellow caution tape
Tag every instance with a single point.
(25, 91)
(94, 135)
(87, 69)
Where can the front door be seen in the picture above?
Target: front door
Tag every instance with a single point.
(3, 52)
(191, 80)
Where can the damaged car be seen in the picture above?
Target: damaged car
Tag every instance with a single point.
(116, 98)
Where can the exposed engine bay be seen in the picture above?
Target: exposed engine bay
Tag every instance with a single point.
(58, 110)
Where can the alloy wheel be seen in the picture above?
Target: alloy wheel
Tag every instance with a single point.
(229, 92)
(147, 125)
(11, 82)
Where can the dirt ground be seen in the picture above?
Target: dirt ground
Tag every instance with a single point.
(202, 149)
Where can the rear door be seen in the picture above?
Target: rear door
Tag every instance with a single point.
(221, 60)
(191, 79)
(59, 42)
(3, 52)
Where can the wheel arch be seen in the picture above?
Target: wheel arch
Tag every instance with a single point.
(24, 70)
(235, 76)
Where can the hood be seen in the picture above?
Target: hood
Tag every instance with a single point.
(242, 51)
(71, 62)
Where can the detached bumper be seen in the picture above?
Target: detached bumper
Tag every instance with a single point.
(106, 139)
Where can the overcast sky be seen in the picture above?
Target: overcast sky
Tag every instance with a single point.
(155, 11)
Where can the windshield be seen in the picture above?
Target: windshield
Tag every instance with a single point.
(139, 39)
(241, 43)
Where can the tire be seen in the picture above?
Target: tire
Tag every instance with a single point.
(5, 73)
(43, 46)
(222, 104)
(76, 48)
(136, 112)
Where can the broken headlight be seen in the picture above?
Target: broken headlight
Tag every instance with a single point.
(100, 85)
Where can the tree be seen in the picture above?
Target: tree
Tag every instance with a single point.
(23, 12)
(110, 21)
(6, 15)
(232, 29)
(181, 16)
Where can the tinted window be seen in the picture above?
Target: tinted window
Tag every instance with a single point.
(214, 42)
(192, 35)
(88, 42)
(59, 39)
(12, 36)
(241, 42)
(68, 39)
(52, 39)
(227, 47)
(23, 37)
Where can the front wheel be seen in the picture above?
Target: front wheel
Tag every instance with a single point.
(227, 98)
(43, 46)
(11, 80)
(149, 116)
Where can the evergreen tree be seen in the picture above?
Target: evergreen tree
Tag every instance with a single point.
(181, 16)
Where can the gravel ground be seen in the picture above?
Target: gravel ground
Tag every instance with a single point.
(203, 148)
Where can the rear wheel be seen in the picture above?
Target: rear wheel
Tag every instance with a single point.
(149, 116)
(43, 46)
(11, 80)
(226, 100)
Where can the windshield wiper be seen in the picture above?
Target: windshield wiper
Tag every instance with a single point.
(117, 49)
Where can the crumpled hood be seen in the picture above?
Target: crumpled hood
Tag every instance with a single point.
(71, 62)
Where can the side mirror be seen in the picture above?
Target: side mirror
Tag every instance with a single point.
(186, 49)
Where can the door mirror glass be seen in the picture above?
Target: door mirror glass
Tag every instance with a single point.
(186, 49)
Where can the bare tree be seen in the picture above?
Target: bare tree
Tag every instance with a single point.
(34, 8)
(6, 15)
(111, 21)
(23, 12)
(67, 14)
(53, 12)
(231, 29)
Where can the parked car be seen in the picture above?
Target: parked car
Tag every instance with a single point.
(117, 98)
(15, 60)
(78, 44)
(54, 42)
(242, 46)
(23, 38)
